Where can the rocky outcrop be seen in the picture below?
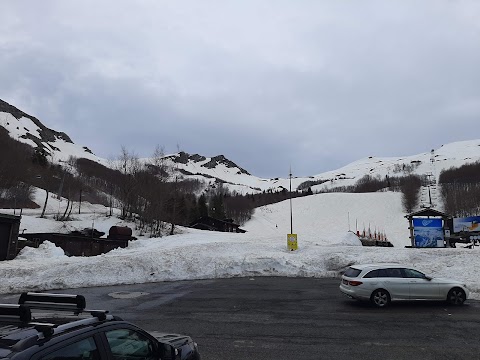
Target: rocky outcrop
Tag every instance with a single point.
(46, 134)
(220, 159)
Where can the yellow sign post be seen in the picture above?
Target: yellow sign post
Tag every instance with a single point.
(292, 242)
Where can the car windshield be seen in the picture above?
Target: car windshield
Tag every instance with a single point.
(352, 272)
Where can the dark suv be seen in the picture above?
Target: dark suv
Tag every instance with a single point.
(58, 326)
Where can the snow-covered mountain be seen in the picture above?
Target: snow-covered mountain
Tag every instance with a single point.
(212, 170)
(29, 130)
(429, 163)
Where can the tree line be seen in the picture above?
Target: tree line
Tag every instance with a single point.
(153, 194)
(158, 197)
(460, 190)
(408, 185)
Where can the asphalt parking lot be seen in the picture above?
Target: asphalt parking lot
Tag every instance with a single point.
(291, 318)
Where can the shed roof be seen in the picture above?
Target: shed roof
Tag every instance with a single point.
(427, 212)
(204, 219)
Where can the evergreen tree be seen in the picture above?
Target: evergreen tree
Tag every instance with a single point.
(217, 208)
(202, 206)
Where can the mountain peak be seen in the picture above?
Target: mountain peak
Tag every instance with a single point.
(208, 163)
(220, 159)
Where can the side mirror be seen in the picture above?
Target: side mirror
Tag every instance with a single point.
(428, 278)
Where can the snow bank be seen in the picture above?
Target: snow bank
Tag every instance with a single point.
(208, 255)
(350, 239)
(326, 248)
(45, 251)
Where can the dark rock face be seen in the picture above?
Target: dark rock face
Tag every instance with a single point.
(197, 158)
(220, 159)
(184, 158)
(46, 134)
(185, 172)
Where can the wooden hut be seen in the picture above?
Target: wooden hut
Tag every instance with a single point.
(9, 228)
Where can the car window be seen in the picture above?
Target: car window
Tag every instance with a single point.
(84, 349)
(410, 273)
(127, 344)
(382, 273)
(394, 273)
(352, 272)
(372, 274)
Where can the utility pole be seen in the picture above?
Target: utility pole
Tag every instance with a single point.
(80, 201)
(291, 213)
(291, 238)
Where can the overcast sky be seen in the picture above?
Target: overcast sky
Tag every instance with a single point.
(267, 83)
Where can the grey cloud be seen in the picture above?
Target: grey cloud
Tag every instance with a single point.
(269, 84)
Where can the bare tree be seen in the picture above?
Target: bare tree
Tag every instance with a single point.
(129, 166)
(158, 191)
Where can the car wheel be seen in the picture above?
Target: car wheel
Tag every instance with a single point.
(380, 298)
(456, 296)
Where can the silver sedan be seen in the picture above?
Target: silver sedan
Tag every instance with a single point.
(383, 283)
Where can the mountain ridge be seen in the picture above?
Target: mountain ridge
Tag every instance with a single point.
(47, 133)
(218, 168)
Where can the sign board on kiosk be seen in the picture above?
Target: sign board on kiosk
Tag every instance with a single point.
(428, 232)
(467, 224)
(292, 242)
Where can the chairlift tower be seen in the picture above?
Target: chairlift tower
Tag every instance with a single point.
(432, 178)
(432, 164)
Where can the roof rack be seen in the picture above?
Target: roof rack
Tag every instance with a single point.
(57, 302)
(22, 313)
(47, 301)
(15, 312)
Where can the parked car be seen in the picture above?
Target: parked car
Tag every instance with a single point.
(57, 326)
(383, 283)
